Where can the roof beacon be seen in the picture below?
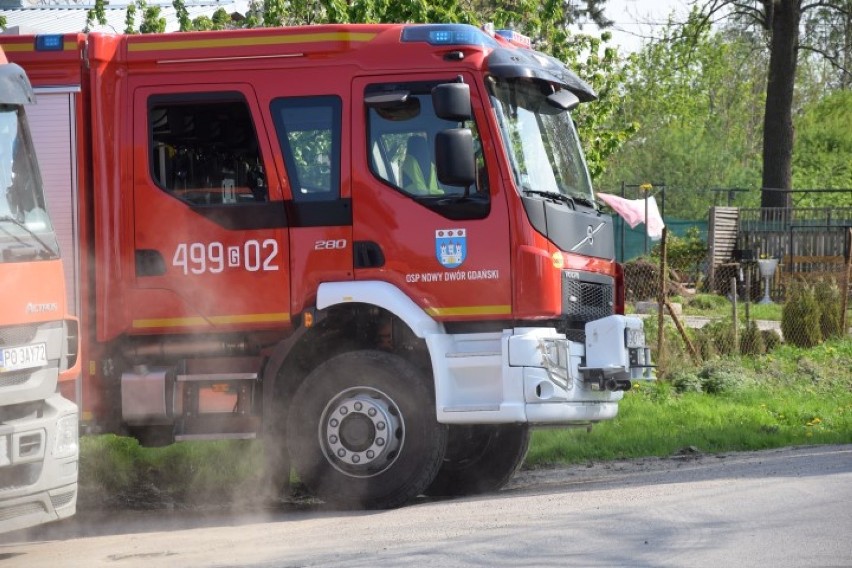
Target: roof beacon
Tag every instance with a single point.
(515, 38)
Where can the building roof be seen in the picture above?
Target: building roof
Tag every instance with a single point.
(71, 18)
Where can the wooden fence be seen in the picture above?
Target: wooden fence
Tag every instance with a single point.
(808, 242)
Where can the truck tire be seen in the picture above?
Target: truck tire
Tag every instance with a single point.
(480, 459)
(362, 431)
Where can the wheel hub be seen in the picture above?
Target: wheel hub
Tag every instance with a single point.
(361, 432)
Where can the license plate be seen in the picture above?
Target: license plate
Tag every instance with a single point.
(634, 337)
(24, 357)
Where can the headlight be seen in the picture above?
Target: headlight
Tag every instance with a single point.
(67, 436)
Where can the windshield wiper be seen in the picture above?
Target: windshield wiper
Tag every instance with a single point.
(550, 195)
(586, 201)
(46, 251)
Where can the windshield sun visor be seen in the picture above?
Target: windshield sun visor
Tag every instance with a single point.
(519, 63)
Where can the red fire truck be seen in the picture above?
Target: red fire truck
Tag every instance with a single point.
(38, 340)
(375, 245)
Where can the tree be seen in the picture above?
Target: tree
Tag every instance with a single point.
(548, 23)
(823, 151)
(182, 15)
(697, 128)
(781, 21)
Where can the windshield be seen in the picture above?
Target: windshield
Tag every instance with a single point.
(540, 141)
(25, 229)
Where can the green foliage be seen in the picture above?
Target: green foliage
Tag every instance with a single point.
(751, 340)
(771, 340)
(830, 302)
(109, 461)
(775, 405)
(130, 19)
(709, 302)
(182, 15)
(96, 14)
(720, 334)
(800, 318)
(684, 254)
(675, 352)
(822, 157)
(152, 22)
(641, 279)
(117, 471)
(698, 128)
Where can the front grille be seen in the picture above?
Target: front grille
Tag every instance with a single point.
(18, 334)
(15, 379)
(586, 296)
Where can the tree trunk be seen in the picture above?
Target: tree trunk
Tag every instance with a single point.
(778, 116)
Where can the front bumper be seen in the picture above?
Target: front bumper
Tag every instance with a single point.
(38, 465)
(536, 375)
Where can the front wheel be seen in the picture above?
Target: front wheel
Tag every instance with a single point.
(362, 431)
(480, 459)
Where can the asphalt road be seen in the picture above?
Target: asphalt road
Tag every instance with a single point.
(780, 508)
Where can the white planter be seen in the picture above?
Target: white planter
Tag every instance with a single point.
(767, 267)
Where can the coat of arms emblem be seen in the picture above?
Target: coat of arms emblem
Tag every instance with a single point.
(451, 247)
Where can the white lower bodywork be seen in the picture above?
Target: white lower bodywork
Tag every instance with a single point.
(521, 375)
(44, 452)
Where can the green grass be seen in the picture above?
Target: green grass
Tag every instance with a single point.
(790, 397)
(712, 305)
(116, 471)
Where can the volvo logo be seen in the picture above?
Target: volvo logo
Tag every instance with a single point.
(590, 236)
(42, 308)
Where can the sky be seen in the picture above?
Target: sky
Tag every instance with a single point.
(637, 18)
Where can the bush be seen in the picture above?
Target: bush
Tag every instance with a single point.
(641, 278)
(771, 339)
(714, 377)
(686, 381)
(705, 346)
(751, 341)
(721, 376)
(709, 302)
(800, 317)
(683, 254)
(720, 334)
(674, 349)
(830, 303)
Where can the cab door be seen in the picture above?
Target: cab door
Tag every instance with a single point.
(310, 127)
(211, 240)
(445, 247)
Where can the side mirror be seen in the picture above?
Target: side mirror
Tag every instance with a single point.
(452, 101)
(455, 163)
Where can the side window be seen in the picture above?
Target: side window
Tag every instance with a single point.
(402, 143)
(308, 131)
(204, 149)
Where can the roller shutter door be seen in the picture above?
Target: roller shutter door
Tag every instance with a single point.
(52, 121)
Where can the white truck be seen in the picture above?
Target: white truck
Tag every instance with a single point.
(39, 342)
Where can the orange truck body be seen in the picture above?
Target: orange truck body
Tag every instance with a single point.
(247, 205)
(38, 338)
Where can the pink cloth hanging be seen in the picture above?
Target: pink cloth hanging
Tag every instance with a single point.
(633, 212)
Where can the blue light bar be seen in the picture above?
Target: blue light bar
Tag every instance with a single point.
(51, 42)
(447, 34)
